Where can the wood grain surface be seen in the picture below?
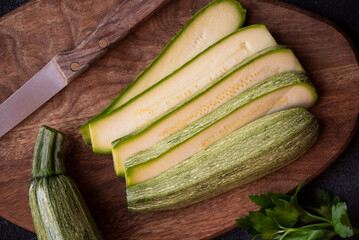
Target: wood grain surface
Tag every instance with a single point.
(31, 35)
(112, 28)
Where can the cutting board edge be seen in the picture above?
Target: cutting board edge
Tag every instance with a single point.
(321, 19)
(297, 9)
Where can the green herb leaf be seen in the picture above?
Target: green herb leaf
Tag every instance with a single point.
(275, 196)
(269, 235)
(267, 201)
(322, 203)
(310, 235)
(284, 213)
(341, 221)
(325, 211)
(321, 198)
(261, 222)
(247, 224)
(335, 200)
(262, 200)
(294, 200)
(282, 217)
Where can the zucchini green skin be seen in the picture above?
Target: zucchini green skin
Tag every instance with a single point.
(251, 152)
(247, 61)
(260, 90)
(57, 207)
(85, 131)
(265, 53)
(252, 56)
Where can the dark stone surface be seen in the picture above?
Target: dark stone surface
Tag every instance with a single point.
(341, 178)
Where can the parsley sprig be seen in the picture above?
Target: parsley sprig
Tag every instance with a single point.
(281, 217)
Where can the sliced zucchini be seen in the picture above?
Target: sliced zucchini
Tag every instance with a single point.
(263, 65)
(286, 90)
(245, 155)
(207, 26)
(179, 87)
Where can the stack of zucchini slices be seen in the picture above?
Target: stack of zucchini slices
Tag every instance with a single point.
(219, 107)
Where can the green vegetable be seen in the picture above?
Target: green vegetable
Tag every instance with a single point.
(245, 155)
(207, 26)
(282, 217)
(282, 91)
(194, 77)
(253, 70)
(57, 207)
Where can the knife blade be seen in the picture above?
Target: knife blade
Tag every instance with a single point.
(38, 90)
(66, 66)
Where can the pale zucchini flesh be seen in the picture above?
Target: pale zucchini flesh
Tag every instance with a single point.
(262, 66)
(283, 91)
(249, 153)
(194, 77)
(207, 26)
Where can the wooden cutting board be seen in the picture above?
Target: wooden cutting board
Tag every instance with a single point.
(32, 34)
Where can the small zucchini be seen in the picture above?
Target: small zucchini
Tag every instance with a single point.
(249, 153)
(57, 207)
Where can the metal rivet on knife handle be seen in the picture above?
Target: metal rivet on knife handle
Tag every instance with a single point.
(103, 43)
(75, 66)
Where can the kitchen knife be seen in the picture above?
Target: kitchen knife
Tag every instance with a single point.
(66, 66)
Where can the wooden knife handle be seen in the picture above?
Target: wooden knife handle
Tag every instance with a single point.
(113, 28)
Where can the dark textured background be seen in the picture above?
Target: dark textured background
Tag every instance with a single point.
(341, 178)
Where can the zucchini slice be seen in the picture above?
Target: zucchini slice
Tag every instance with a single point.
(263, 65)
(280, 92)
(179, 87)
(245, 155)
(207, 26)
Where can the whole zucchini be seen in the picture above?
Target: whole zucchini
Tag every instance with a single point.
(57, 207)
